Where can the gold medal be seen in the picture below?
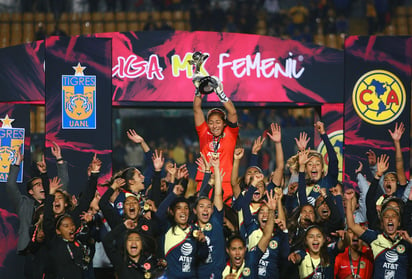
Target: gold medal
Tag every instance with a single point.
(195, 233)
(147, 275)
(146, 207)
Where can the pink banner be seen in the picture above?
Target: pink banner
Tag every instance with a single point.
(153, 67)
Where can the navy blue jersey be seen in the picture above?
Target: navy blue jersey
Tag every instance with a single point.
(328, 181)
(249, 270)
(391, 257)
(182, 252)
(276, 252)
(213, 266)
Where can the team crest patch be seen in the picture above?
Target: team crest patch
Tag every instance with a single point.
(246, 271)
(78, 100)
(316, 188)
(362, 264)
(208, 227)
(273, 244)
(11, 143)
(400, 249)
(379, 97)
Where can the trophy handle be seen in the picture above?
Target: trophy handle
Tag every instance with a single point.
(198, 59)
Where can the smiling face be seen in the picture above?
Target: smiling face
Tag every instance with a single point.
(216, 124)
(263, 216)
(37, 190)
(203, 210)
(131, 208)
(322, 209)
(390, 183)
(134, 245)
(66, 229)
(390, 221)
(181, 214)
(314, 168)
(236, 252)
(307, 216)
(59, 204)
(260, 191)
(314, 240)
(136, 183)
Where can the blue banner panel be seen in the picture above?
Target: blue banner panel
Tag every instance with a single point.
(78, 104)
(377, 100)
(14, 134)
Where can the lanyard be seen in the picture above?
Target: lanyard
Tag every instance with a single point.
(216, 141)
(352, 268)
(317, 274)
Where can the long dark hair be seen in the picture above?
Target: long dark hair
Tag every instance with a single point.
(323, 253)
(126, 236)
(173, 208)
(126, 174)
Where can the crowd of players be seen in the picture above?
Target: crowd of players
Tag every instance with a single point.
(225, 224)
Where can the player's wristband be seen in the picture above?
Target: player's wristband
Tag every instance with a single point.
(222, 96)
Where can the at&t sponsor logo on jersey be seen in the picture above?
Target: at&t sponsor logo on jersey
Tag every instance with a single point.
(186, 249)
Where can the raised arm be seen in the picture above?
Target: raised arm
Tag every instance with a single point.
(363, 185)
(350, 221)
(268, 230)
(281, 213)
(303, 141)
(199, 117)
(90, 191)
(161, 212)
(158, 162)
(136, 138)
(218, 193)
(256, 147)
(109, 212)
(13, 192)
(62, 166)
(234, 179)
(276, 136)
(204, 166)
(303, 159)
(227, 103)
(396, 137)
(333, 170)
(231, 112)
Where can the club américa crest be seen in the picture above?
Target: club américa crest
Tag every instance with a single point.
(379, 97)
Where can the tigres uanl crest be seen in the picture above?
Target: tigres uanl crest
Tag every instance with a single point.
(11, 143)
(78, 100)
